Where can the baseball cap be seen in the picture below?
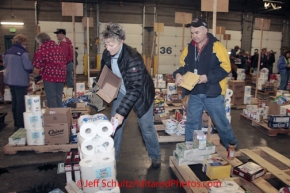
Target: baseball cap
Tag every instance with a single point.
(60, 31)
(197, 22)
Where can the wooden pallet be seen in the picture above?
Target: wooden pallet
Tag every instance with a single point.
(10, 149)
(167, 138)
(238, 107)
(172, 106)
(263, 127)
(277, 165)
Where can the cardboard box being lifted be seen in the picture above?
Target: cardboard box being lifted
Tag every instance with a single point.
(108, 84)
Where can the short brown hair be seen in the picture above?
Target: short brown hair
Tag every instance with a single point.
(42, 37)
(19, 39)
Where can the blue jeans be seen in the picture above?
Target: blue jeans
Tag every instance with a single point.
(18, 104)
(284, 80)
(216, 110)
(53, 91)
(70, 75)
(147, 128)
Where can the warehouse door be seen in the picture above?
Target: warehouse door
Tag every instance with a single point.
(133, 36)
(46, 26)
(271, 41)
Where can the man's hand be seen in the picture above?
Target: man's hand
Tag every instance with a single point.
(119, 117)
(202, 79)
(178, 79)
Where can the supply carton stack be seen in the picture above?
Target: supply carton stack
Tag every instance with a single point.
(159, 110)
(257, 112)
(247, 95)
(216, 167)
(238, 88)
(241, 74)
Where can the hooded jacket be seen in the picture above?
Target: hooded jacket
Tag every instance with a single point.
(282, 64)
(66, 47)
(18, 66)
(140, 91)
(213, 61)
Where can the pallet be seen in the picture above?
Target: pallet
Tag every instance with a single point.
(263, 127)
(277, 165)
(172, 106)
(167, 138)
(10, 149)
(238, 107)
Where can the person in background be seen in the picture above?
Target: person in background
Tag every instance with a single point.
(254, 60)
(17, 66)
(263, 62)
(242, 59)
(283, 68)
(136, 91)
(66, 45)
(51, 62)
(248, 62)
(233, 59)
(208, 58)
(270, 62)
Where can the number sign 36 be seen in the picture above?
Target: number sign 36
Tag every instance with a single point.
(164, 50)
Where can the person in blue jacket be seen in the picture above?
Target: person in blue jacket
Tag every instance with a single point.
(17, 66)
(284, 69)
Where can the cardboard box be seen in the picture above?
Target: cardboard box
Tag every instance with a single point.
(190, 79)
(278, 121)
(274, 108)
(237, 100)
(108, 84)
(188, 154)
(57, 123)
(18, 138)
(236, 85)
(249, 171)
(216, 168)
(193, 160)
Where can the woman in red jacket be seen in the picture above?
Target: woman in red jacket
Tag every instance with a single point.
(51, 62)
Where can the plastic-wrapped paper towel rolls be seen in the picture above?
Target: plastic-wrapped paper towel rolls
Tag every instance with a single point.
(100, 116)
(229, 93)
(171, 88)
(88, 174)
(32, 120)
(82, 118)
(35, 103)
(35, 136)
(87, 146)
(27, 103)
(104, 144)
(104, 128)
(88, 130)
(96, 155)
(105, 170)
(227, 100)
(228, 108)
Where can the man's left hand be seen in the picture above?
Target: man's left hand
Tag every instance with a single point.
(119, 117)
(202, 79)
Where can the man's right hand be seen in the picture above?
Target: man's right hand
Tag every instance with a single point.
(178, 79)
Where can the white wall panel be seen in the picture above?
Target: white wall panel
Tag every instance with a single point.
(50, 26)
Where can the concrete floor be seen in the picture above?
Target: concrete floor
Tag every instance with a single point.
(24, 170)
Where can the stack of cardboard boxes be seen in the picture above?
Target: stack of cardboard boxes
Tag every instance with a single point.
(238, 88)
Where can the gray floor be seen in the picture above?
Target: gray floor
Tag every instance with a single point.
(24, 170)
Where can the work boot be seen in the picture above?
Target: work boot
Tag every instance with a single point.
(156, 163)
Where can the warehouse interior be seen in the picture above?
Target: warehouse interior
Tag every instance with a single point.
(30, 171)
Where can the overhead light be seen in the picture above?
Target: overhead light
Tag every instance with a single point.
(11, 23)
(275, 7)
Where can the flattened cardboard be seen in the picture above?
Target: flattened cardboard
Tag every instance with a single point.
(189, 80)
(108, 84)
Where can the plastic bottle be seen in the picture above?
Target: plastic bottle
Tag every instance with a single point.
(231, 150)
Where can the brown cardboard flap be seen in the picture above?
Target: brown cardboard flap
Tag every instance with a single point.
(109, 85)
(189, 80)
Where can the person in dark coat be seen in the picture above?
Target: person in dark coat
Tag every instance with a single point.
(136, 91)
(17, 66)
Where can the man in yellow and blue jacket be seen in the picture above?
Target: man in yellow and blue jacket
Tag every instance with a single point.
(207, 57)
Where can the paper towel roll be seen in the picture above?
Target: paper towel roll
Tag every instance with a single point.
(100, 116)
(105, 170)
(96, 155)
(32, 120)
(88, 130)
(88, 174)
(82, 118)
(87, 146)
(229, 93)
(228, 109)
(35, 104)
(231, 185)
(104, 128)
(27, 103)
(35, 136)
(171, 88)
(104, 144)
(227, 100)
